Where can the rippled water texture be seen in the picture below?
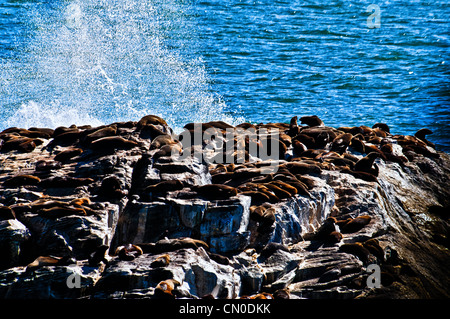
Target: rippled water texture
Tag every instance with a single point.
(69, 62)
(102, 61)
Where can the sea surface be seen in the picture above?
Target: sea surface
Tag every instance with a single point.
(349, 62)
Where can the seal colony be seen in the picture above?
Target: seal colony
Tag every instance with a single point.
(217, 190)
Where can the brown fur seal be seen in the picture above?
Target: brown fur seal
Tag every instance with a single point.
(264, 216)
(265, 191)
(80, 201)
(358, 145)
(42, 261)
(150, 131)
(20, 144)
(308, 181)
(334, 237)
(294, 130)
(47, 165)
(111, 187)
(258, 197)
(246, 126)
(361, 175)
(420, 134)
(271, 248)
(165, 186)
(382, 126)
(168, 150)
(219, 258)
(113, 142)
(326, 232)
(374, 140)
(215, 191)
(365, 164)
(286, 139)
(162, 140)
(282, 294)
(341, 142)
(355, 224)
(161, 261)
(219, 168)
(305, 139)
(150, 119)
(61, 211)
(379, 132)
(168, 245)
(311, 121)
(32, 132)
(221, 178)
(165, 289)
(6, 213)
(98, 256)
(68, 154)
(46, 203)
(373, 245)
(69, 137)
(63, 129)
(100, 133)
(302, 168)
(326, 228)
(220, 125)
(298, 148)
(263, 295)
(272, 143)
(285, 186)
(300, 187)
(27, 147)
(65, 181)
(356, 249)
(22, 180)
(279, 193)
(128, 252)
(42, 132)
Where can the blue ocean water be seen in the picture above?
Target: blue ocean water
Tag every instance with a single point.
(86, 61)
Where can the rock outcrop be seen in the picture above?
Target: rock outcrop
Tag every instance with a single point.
(120, 211)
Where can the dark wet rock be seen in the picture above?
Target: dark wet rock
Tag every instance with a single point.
(62, 197)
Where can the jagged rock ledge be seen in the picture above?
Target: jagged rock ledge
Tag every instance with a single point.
(107, 212)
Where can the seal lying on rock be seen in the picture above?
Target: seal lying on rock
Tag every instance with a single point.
(21, 180)
(366, 251)
(100, 133)
(49, 261)
(355, 224)
(61, 211)
(161, 261)
(327, 232)
(165, 289)
(150, 119)
(20, 143)
(264, 216)
(215, 191)
(112, 142)
(128, 252)
(46, 166)
(68, 154)
(168, 245)
(65, 181)
(164, 187)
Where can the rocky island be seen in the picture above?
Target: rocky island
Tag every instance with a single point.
(132, 210)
